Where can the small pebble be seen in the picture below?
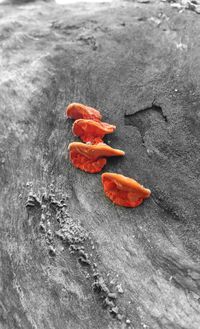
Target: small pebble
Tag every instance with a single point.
(176, 5)
(52, 251)
(119, 289)
(119, 317)
(115, 310)
(84, 261)
(108, 302)
(83, 254)
(197, 9)
(128, 321)
(96, 275)
(112, 295)
(42, 227)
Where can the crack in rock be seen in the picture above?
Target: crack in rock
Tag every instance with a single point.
(144, 119)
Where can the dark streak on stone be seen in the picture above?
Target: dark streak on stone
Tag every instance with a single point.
(166, 207)
(63, 27)
(89, 40)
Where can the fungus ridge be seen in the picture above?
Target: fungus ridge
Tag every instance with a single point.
(82, 162)
(124, 191)
(80, 111)
(92, 131)
(91, 158)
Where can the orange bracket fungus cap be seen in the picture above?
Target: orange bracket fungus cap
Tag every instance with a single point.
(124, 191)
(91, 131)
(80, 111)
(91, 158)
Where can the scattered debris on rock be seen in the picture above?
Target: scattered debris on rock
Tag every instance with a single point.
(73, 236)
(32, 201)
(193, 5)
(119, 289)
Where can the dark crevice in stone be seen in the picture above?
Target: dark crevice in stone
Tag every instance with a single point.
(145, 118)
(166, 207)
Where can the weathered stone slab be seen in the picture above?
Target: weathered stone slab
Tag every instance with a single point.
(65, 248)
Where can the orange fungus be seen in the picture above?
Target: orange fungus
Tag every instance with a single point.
(91, 131)
(80, 111)
(124, 191)
(91, 158)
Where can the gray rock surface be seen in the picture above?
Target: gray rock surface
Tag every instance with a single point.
(65, 248)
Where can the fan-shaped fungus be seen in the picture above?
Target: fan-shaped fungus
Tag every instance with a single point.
(124, 191)
(80, 111)
(91, 158)
(91, 131)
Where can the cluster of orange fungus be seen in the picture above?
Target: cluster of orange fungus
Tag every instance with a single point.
(91, 158)
(92, 131)
(80, 111)
(124, 191)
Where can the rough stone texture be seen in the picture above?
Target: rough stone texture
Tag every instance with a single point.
(139, 64)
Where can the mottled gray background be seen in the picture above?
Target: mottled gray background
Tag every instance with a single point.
(70, 259)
